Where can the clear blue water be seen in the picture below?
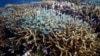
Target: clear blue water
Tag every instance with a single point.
(4, 2)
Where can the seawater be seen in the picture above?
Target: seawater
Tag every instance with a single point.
(5, 2)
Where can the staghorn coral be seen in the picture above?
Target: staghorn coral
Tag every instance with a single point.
(38, 32)
(79, 43)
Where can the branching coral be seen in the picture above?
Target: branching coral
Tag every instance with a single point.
(40, 30)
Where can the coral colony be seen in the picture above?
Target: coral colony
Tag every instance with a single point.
(28, 30)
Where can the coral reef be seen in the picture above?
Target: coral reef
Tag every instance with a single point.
(40, 32)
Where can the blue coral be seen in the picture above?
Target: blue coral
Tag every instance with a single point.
(46, 20)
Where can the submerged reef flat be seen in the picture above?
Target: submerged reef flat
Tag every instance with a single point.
(28, 30)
